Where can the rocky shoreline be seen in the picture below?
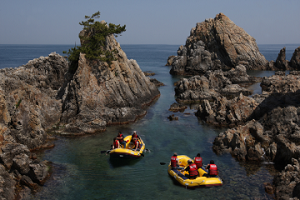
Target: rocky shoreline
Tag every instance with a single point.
(46, 94)
(262, 127)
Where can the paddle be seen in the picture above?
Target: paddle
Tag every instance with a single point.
(163, 163)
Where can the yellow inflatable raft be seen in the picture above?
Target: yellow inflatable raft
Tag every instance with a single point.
(129, 150)
(200, 181)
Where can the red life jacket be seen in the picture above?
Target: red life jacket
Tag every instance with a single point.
(213, 170)
(121, 140)
(135, 136)
(198, 162)
(116, 144)
(136, 143)
(174, 161)
(193, 170)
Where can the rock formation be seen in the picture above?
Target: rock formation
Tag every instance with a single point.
(295, 60)
(217, 44)
(213, 84)
(271, 132)
(45, 92)
(99, 94)
(224, 112)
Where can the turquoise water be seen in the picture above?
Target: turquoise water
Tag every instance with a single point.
(80, 171)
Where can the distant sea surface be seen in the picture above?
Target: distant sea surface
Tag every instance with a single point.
(80, 171)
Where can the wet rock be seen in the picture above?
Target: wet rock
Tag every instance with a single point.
(175, 107)
(172, 117)
(148, 73)
(29, 183)
(156, 82)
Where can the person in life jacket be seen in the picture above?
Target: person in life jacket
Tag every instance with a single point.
(212, 169)
(198, 161)
(174, 161)
(116, 143)
(135, 140)
(192, 169)
(121, 139)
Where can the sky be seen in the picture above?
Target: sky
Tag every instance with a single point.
(147, 21)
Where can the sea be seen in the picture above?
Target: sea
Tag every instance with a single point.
(81, 171)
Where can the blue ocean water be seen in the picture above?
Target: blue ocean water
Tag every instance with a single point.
(82, 172)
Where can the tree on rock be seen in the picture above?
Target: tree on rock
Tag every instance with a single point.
(93, 42)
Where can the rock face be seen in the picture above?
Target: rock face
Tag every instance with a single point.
(287, 182)
(217, 44)
(213, 84)
(295, 60)
(224, 112)
(99, 94)
(281, 62)
(270, 133)
(45, 92)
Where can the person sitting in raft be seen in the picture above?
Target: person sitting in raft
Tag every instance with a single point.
(135, 140)
(121, 139)
(116, 143)
(174, 162)
(198, 161)
(212, 169)
(192, 169)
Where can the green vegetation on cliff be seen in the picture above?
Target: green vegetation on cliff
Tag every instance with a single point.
(94, 40)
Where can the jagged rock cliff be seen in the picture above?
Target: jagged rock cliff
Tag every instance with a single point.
(99, 94)
(217, 44)
(45, 92)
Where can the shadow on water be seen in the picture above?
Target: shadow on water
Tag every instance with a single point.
(117, 162)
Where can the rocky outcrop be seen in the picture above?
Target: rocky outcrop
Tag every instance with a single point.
(287, 182)
(281, 62)
(45, 93)
(217, 44)
(175, 107)
(224, 112)
(272, 134)
(295, 60)
(100, 94)
(213, 84)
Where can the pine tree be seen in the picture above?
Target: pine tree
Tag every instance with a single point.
(93, 43)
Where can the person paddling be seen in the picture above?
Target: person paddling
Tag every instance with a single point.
(135, 139)
(116, 143)
(121, 139)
